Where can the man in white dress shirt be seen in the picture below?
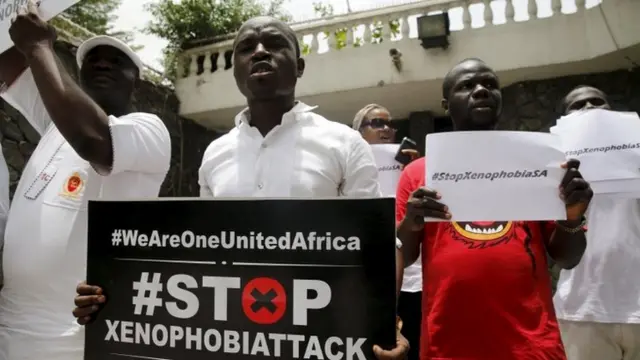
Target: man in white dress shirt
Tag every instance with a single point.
(598, 302)
(92, 147)
(279, 147)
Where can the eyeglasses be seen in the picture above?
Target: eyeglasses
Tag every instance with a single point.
(588, 103)
(378, 123)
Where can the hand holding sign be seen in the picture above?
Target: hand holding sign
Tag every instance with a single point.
(397, 353)
(575, 191)
(88, 302)
(424, 203)
(28, 31)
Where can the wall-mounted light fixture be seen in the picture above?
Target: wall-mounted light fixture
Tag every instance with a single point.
(433, 30)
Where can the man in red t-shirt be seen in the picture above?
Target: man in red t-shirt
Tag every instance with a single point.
(486, 288)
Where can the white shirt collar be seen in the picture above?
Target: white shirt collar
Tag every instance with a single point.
(298, 108)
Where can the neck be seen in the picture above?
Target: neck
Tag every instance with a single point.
(115, 106)
(267, 114)
(115, 110)
(474, 127)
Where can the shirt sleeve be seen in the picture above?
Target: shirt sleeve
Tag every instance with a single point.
(141, 143)
(361, 173)
(24, 96)
(205, 190)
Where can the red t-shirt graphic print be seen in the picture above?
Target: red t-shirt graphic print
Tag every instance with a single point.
(486, 288)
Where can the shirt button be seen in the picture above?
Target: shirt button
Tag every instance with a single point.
(260, 186)
(264, 146)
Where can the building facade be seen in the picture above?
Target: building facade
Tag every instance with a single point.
(539, 52)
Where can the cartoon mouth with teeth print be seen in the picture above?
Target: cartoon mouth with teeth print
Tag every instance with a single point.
(482, 234)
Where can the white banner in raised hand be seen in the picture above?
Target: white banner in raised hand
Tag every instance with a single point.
(496, 175)
(389, 169)
(607, 143)
(48, 9)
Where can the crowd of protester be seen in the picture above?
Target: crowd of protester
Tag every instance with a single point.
(456, 301)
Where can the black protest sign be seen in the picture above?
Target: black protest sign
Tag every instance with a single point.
(244, 279)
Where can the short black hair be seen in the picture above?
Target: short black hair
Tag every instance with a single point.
(287, 30)
(449, 80)
(564, 103)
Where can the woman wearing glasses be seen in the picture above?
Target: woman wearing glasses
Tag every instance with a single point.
(374, 123)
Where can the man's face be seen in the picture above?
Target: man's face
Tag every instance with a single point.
(475, 100)
(584, 99)
(265, 64)
(377, 127)
(107, 73)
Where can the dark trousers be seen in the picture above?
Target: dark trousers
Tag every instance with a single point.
(410, 311)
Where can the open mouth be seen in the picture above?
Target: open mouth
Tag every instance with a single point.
(482, 106)
(261, 68)
(483, 227)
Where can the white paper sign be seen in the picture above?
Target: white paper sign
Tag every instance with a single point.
(618, 195)
(48, 9)
(389, 169)
(497, 175)
(607, 143)
(624, 186)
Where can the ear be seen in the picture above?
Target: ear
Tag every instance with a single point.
(445, 105)
(500, 107)
(301, 66)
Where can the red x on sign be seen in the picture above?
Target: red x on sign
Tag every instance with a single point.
(264, 300)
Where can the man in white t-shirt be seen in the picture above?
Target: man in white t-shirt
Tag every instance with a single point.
(279, 146)
(598, 302)
(92, 147)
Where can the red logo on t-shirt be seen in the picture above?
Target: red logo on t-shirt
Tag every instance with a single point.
(482, 234)
(72, 185)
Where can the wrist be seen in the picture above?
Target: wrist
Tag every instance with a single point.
(34, 50)
(409, 223)
(570, 222)
(571, 226)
